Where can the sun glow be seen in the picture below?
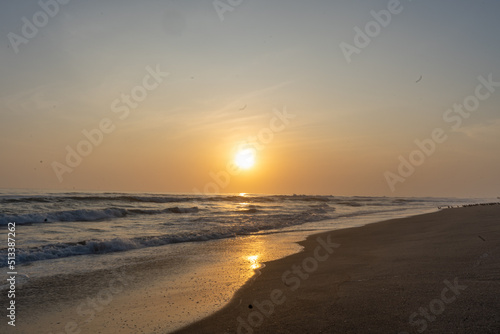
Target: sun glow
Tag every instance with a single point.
(254, 261)
(245, 158)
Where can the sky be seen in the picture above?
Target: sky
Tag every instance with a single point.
(369, 98)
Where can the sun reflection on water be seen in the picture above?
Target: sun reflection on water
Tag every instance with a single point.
(254, 261)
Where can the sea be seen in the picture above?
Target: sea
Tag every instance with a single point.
(68, 233)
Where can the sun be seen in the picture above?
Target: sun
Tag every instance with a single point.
(245, 158)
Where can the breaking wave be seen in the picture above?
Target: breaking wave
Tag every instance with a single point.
(85, 215)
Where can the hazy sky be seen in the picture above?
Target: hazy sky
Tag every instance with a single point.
(359, 101)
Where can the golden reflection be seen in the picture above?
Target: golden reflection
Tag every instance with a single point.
(243, 194)
(254, 251)
(254, 261)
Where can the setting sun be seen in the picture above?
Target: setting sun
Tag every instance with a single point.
(245, 158)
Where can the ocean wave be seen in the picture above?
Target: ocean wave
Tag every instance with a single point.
(223, 231)
(350, 203)
(88, 247)
(61, 198)
(85, 215)
(248, 210)
(96, 198)
(305, 198)
(369, 212)
(238, 199)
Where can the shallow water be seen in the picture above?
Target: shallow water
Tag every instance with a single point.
(198, 249)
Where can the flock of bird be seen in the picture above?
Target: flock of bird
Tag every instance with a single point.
(467, 205)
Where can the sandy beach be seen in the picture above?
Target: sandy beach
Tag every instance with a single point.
(245, 167)
(433, 273)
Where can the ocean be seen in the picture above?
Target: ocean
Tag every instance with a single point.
(77, 233)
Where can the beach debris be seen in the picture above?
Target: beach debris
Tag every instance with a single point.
(480, 237)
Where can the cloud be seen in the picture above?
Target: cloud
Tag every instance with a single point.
(489, 131)
(34, 99)
(237, 111)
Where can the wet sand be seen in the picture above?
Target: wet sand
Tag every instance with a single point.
(432, 273)
(437, 273)
(180, 284)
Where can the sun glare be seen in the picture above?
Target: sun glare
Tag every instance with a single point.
(254, 261)
(245, 159)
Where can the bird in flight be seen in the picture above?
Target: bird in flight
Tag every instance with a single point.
(419, 79)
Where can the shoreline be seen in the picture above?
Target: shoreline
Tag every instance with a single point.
(140, 297)
(184, 282)
(192, 286)
(382, 277)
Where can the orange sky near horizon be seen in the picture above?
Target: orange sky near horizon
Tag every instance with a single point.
(160, 96)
